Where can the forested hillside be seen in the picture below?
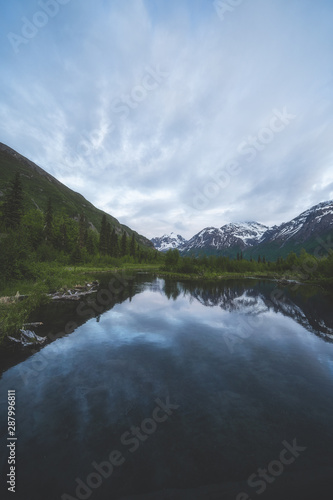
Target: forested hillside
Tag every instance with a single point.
(43, 221)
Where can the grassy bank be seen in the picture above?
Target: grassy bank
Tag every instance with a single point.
(227, 275)
(14, 312)
(326, 284)
(53, 278)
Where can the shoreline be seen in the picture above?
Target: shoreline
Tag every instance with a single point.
(69, 279)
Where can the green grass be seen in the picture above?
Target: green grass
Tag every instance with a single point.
(209, 275)
(53, 278)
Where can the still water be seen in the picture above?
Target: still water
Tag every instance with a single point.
(157, 389)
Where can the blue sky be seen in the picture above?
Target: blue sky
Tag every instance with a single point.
(174, 115)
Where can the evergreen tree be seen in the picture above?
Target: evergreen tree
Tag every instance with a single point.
(13, 204)
(76, 256)
(48, 228)
(108, 238)
(114, 244)
(64, 238)
(90, 243)
(103, 237)
(264, 260)
(83, 233)
(259, 259)
(172, 257)
(132, 246)
(123, 244)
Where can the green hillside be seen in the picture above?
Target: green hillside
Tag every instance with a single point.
(39, 187)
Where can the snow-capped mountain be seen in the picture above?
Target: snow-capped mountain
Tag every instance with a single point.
(255, 238)
(167, 241)
(316, 220)
(240, 235)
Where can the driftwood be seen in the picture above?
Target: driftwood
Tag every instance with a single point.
(28, 338)
(11, 300)
(285, 282)
(77, 292)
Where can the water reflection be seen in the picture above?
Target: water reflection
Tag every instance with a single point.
(241, 364)
(308, 305)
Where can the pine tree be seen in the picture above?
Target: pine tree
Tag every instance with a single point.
(76, 256)
(108, 238)
(64, 238)
(103, 237)
(83, 233)
(48, 228)
(264, 260)
(132, 246)
(123, 244)
(90, 243)
(259, 259)
(114, 244)
(13, 204)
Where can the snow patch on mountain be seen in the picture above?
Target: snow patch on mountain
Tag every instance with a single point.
(240, 234)
(248, 234)
(168, 241)
(314, 220)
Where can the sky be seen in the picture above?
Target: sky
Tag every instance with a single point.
(174, 115)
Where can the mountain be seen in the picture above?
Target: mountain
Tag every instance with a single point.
(39, 186)
(167, 241)
(316, 220)
(230, 237)
(306, 231)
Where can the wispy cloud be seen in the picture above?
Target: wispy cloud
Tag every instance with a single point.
(136, 105)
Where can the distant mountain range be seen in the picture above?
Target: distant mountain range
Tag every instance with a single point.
(39, 186)
(307, 230)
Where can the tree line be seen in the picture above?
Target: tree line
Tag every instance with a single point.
(28, 237)
(305, 266)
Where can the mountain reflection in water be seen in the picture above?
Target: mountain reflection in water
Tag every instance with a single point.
(248, 370)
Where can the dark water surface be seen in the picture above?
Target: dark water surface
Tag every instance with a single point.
(205, 391)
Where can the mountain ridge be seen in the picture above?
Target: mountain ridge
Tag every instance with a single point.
(42, 186)
(253, 237)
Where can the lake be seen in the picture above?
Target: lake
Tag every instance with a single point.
(159, 389)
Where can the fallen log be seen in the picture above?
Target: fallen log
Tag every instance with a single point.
(28, 338)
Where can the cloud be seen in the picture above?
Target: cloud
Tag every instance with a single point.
(137, 106)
